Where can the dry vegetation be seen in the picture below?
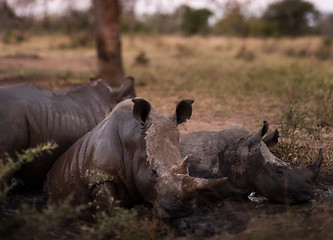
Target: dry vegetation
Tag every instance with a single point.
(288, 82)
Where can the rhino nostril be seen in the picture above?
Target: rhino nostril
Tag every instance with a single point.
(306, 192)
(304, 195)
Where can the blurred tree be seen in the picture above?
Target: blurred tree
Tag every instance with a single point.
(194, 20)
(128, 11)
(107, 30)
(8, 17)
(234, 21)
(130, 23)
(290, 17)
(77, 25)
(326, 25)
(13, 27)
(257, 27)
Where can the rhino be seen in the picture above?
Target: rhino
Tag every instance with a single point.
(248, 163)
(131, 157)
(30, 115)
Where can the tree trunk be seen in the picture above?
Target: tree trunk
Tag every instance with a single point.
(107, 28)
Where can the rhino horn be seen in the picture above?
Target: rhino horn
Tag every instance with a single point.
(191, 185)
(256, 137)
(271, 139)
(313, 169)
(181, 168)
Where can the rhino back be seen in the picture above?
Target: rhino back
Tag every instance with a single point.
(201, 148)
(211, 156)
(13, 121)
(38, 115)
(207, 151)
(65, 175)
(100, 151)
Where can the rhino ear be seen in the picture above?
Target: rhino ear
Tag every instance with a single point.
(141, 110)
(126, 90)
(183, 111)
(256, 137)
(93, 79)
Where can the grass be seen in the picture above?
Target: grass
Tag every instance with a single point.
(64, 222)
(210, 71)
(288, 82)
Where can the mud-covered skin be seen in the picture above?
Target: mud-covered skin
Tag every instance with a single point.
(136, 150)
(30, 115)
(248, 163)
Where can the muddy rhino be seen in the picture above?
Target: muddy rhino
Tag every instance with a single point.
(132, 157)
(248, 163)
(30, 115)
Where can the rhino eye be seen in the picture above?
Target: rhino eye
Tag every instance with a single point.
(154, 174)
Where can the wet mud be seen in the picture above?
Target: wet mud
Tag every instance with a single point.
(228, 216)
(231, 216)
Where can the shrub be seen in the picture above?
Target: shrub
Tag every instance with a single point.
(9, 165)
(324, 51)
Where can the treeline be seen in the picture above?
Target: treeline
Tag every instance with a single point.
(78, 25)
(280, 18)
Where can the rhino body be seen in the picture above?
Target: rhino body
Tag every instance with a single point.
(248, 163)
(30, 115)
(135, 150)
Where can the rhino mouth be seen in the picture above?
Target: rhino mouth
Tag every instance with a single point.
(175, 207)
(304, 197)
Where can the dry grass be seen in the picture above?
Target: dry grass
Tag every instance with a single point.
(232, 80)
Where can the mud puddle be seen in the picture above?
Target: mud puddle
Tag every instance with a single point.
(233, 216)
(32, 197)
(229, 216)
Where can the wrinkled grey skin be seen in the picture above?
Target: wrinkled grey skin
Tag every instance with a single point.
(248, 163)
(30, 115)
(136, 150)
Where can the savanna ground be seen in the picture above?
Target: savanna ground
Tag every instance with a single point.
(287, 82)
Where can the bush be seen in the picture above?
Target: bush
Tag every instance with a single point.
(324, 51)
(245, 54)
(141, 59)
(9, 164)
(14, 37)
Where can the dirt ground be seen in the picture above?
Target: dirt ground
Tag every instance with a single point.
(229, 217)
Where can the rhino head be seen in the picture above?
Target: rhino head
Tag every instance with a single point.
(163, 178)
(272, 177)
(126, 90)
